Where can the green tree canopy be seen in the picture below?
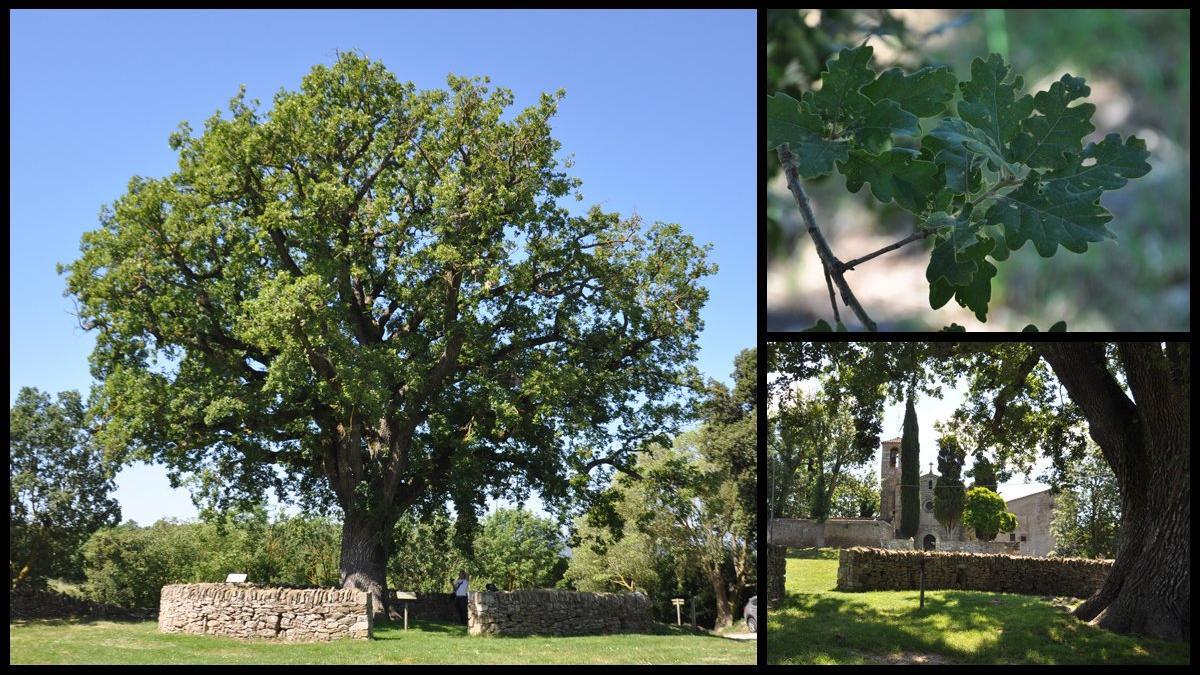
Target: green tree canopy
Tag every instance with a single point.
(372, 291)
(1087, 510)
(986, 512)
(59, 487)
(517, 549)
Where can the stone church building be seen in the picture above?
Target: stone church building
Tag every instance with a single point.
(1033, 512)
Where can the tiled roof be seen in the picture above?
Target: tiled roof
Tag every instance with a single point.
(894, 440)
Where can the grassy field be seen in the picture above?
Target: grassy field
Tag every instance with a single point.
(108, 642)
(817, 625)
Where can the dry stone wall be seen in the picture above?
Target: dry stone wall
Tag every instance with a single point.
(868, 569)
(550, 612)
(246, 611)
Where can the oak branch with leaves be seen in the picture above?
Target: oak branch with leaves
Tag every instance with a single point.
(999, 170)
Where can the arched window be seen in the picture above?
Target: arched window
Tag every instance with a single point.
(894, 454)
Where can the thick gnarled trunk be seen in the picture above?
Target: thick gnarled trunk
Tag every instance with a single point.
(363, 562)
(1146, 443)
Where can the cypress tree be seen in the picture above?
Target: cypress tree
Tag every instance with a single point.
(985, 474)
(910, 458)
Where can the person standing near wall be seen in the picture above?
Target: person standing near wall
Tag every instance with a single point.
(460, 595)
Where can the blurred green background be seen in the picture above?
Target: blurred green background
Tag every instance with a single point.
(1137, 65)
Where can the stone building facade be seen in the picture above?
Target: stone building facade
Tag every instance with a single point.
(1032, 536)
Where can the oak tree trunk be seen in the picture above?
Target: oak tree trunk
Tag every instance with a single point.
(1146, 443)
(364, 560)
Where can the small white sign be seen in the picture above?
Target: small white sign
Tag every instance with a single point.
(405, 595)
(676, 601)
(235, 579)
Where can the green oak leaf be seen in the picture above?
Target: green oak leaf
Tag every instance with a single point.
(1050, 139)
(953, 328)
(974, 295)
(885, 118)
(1115, 164)
(957, 267)
(788, 124)
(839, 99)
(991, 106)
(1050, 216)
(895, 174)
(959, 232)
(822, 326)
(959, 137)
(923, 93)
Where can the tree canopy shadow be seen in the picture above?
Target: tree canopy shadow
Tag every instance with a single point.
(809, 628)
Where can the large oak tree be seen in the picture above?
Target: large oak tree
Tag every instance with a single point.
(371, 292)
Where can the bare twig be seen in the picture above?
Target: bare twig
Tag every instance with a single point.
(915, 236)
(832, 300)
(833, 266)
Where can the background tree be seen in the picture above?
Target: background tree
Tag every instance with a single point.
(910, 472)
(983, 473)
(857, 496)
(604, 562)
(1087, 511)
(425, 557)
(517, 549)
(59, 487)
(986, 513)
(949, 492)
(369, 296)
(694, 508)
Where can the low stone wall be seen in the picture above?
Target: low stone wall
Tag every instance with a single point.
(897, 544)
(550, 612)
(834, 532)
(428, 607)
(867, 569)
(244, 611)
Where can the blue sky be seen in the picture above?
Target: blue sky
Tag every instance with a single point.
(660, 116)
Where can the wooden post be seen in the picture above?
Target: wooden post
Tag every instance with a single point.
(405, 595)
(922, 580)
(693, 611)
(678, 602)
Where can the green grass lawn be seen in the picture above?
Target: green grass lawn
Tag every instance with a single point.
(818, 625)
(111, 642)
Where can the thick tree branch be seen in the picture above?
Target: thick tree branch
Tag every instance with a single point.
(832, 265)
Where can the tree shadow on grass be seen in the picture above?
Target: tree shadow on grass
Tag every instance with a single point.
(75, 621)
(814, 553)
(1003, 627)
(394, 630)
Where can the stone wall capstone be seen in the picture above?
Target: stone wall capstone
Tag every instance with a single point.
(869, 569)
(551, 612)
(246, 611)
